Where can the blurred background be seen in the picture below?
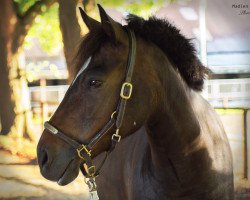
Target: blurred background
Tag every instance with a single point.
(38, 39)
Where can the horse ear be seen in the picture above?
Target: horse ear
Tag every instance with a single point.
(90, 22)
(112, 28)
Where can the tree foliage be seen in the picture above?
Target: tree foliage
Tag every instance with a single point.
(142, 8)
(46, 29)
(22, 6)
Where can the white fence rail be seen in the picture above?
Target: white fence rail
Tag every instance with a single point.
(228, 93)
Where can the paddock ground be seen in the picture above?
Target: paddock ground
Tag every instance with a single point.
(23, 182)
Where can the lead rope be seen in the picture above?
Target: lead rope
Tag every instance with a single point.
(93, 195)
(89, 179)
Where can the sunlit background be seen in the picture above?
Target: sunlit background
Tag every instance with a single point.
(35, 73)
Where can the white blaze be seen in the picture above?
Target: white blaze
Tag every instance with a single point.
(83, 68)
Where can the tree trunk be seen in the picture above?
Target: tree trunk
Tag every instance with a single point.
(7, 104)
(71, 31)
(15, 114)
(70, 28)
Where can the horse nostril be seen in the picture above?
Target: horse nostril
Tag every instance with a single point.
(44, 158)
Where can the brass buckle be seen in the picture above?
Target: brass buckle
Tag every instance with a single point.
(113, 114)
(83, 147)
(94, 170)
(116, 137)
(130, 87)
(88, 169)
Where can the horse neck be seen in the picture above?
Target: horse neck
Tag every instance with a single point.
(174, 129)
(174, 121)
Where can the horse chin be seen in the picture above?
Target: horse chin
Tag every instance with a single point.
(70, 173)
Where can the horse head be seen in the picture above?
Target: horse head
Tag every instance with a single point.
(94, 95)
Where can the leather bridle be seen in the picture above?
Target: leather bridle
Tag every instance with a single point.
(84, 150)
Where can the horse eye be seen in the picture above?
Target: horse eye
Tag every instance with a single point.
(95, 83)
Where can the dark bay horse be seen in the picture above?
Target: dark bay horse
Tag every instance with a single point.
(173, 144)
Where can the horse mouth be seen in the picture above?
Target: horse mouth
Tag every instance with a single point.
(69, 174)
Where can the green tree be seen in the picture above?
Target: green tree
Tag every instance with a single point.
(17, 16)
(46, 26)
(46, 29)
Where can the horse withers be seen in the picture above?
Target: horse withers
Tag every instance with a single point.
(164, 141)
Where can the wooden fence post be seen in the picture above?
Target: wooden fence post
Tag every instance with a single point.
(245, 143)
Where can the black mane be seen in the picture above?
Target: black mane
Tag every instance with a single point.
(178, 49)
(168, 38)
